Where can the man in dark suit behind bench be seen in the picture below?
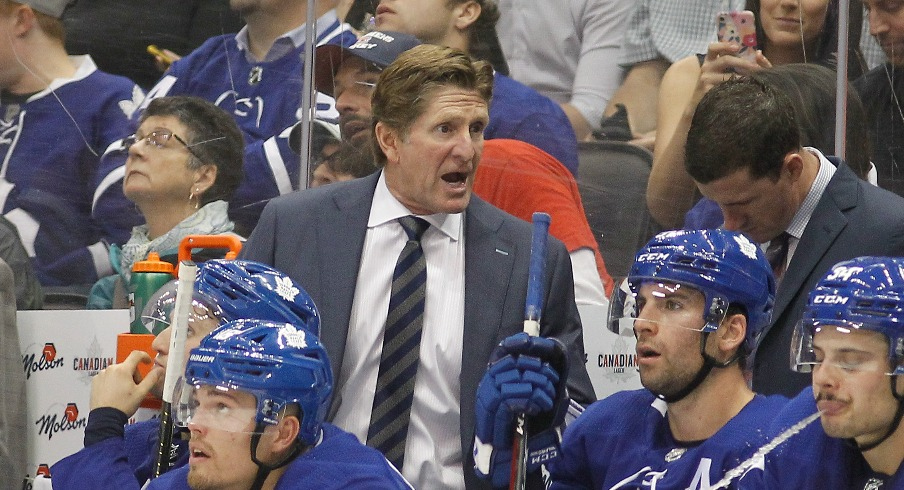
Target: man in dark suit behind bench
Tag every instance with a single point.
(341, 242)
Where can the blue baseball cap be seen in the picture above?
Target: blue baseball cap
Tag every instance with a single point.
(379, 48)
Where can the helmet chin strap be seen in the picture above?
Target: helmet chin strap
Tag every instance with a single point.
(263, 469)
(895, 423)
(709, 363)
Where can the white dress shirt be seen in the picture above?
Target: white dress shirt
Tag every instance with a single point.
(433, 456)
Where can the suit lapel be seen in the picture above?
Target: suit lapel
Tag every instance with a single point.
(340, 242)
(489, 259)
(827, 221)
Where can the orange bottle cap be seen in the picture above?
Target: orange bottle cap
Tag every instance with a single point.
(153, 264)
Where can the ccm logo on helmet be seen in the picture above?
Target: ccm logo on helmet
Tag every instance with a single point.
(843, 273)
(652, 257)
(830, 299)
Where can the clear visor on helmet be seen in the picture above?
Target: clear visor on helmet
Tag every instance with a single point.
(847, 346)
(215, 407)
(665, 304)
(158, 312)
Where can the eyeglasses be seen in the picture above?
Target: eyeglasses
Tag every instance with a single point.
(159, 137)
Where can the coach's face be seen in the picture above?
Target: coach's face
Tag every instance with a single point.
(760, 207)
(431, 168)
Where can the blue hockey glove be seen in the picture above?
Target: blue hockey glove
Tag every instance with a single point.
(526, 375)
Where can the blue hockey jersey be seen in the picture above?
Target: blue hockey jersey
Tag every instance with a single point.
(264, 98)
(624, 442)
(118, 462)
(53, 186)
(812, 459)
(338, 462)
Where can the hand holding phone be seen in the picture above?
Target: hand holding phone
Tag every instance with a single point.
(738, 28)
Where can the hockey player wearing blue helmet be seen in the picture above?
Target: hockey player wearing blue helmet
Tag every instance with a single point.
(697, 300)
(851, 338)
(255, 396)
(123, 457)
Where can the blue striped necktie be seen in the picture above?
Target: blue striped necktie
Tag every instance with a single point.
(388, 430)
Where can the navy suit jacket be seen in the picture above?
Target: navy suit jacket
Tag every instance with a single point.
(316, 237)
(852, 219)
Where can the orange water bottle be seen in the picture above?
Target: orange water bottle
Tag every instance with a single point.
(147, 277)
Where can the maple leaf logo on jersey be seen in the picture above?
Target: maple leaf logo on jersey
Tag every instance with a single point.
(747, 247)
(128, 106)
(286, 289)
(294, 337)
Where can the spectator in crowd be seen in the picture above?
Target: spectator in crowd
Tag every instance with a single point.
(185, 162)
(812, 211)
(850, 338)
(882, 91)
(786, 33)
(517, 112)
(661, 32)
(511, 180)
(256, 75)
(58, 114)
(177, 25)
(115, 456)
(697, 301)
(575, 63)
(811, 90)
(346, 163)
(468, 269)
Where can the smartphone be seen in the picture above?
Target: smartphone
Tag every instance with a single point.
(738, 28)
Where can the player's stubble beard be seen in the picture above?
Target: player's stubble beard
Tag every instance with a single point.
(671, 380)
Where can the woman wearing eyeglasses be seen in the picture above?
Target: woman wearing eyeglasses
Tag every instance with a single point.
(184, 163)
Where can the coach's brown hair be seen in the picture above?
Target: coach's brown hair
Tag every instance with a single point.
(405, 87)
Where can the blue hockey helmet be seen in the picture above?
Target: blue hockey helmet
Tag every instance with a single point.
(278, 363)
(248, 289)
(866, 293)
(230, 290)
(725, 266)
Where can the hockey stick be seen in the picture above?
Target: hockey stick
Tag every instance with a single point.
(175, 363)
(533, 309)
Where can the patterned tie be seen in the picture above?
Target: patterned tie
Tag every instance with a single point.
(388, 430)
(776, 253)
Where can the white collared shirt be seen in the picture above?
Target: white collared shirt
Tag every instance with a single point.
(287, 42)
(433, 457)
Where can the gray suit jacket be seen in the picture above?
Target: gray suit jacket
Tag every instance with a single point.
(316, 236)
(852, 219)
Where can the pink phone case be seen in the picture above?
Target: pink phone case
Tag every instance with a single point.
(738, 28)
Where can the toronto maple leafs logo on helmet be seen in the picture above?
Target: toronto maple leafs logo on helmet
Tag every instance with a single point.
(286, 289)
(294, 337)
(747, 247)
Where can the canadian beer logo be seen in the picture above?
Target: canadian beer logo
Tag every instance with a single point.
(50, 425)
(47, 360)
(92, 363)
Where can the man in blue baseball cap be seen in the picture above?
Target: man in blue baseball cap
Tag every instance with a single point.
(350, 74)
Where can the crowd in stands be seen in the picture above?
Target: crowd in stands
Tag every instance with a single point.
(436, 129)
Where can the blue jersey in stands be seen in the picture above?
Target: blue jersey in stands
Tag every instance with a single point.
(64, 204)
(624, 442)
(264, 98)
(519, 112)
(123, 463)
(812, 459)
(339, 461)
